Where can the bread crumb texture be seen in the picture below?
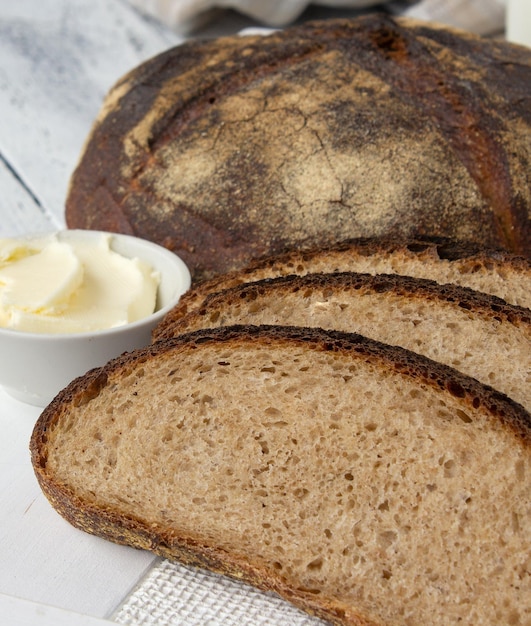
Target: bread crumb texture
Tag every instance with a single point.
(480, 336)
(341, 478)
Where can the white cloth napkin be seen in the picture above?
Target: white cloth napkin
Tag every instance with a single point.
(484, 17)
(186, 15)
(175, 595)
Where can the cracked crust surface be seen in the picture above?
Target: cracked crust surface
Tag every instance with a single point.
(233, 149)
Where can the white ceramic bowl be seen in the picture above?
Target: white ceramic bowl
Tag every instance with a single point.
(34, 367)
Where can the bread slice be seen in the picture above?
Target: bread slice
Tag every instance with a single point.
(478, 334)
(491, 271)
(364, 483)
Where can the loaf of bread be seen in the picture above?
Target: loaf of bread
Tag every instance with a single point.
(362, 482)
(232, 149)
(480, 335)
(490, 271)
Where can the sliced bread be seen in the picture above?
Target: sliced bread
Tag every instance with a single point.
(478, 334)
(492, 271)
(362, 482)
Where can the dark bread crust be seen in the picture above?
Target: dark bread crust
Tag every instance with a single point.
(84, 388)
(274, 301)
(143, 534)
(480, 305)
(230, 150)
(341, 257)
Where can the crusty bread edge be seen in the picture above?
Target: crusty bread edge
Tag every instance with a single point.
(190, 551)
(432, 250)
(481, 305)
(142, 534)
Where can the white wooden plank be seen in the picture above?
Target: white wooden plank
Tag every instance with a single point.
(58, 58)
(20, 212)
(18, 612)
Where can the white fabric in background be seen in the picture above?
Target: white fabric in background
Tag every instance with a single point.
(184, 15)
(175, 595)
(483, 17)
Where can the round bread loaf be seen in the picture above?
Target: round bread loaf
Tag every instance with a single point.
(228, 150)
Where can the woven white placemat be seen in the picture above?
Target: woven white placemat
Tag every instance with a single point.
(172, 594)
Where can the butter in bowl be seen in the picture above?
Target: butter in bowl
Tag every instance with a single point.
(74, 299)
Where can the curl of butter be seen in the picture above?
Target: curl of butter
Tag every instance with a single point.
(53, 286)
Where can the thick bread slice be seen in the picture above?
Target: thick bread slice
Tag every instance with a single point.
(491, 271)
(478, 334)
(362, 482)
